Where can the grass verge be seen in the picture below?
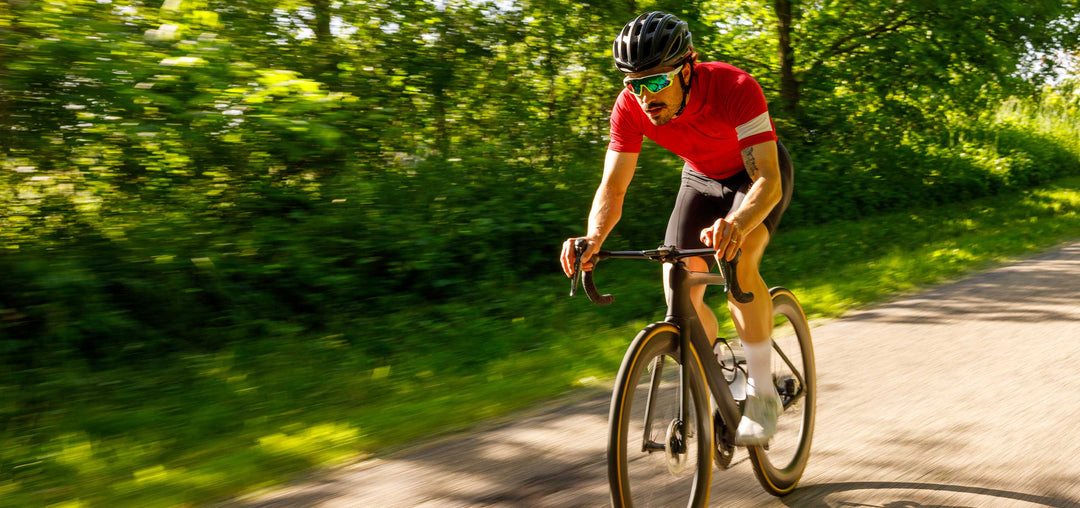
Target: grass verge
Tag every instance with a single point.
(206, 427)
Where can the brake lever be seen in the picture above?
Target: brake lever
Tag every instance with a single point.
(580, 246)
(579, 250)
(727, 268)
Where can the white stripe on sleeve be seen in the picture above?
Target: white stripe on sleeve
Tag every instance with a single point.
(756, 126)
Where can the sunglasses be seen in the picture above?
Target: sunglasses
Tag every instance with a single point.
(653, 83)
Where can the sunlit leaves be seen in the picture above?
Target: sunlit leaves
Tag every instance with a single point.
(921, 54)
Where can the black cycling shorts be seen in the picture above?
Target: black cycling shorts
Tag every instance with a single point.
(702, 200)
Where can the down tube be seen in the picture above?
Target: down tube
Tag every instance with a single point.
(714, 376)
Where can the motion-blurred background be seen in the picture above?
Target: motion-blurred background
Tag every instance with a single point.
(243, 238)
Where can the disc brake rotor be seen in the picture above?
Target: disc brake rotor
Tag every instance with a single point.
(675, 447)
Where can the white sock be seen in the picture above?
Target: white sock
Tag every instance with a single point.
(758, 365)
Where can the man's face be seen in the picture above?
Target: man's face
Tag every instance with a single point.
(662, 105)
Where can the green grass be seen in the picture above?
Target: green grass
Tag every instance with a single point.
(856, 263)
(199, 428)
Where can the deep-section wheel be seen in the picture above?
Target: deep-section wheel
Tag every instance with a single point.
(657, 457)
(779, 465)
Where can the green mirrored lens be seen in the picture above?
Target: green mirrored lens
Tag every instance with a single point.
(652, 83)
(656, 83)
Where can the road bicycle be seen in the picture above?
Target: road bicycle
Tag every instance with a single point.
(677, 401)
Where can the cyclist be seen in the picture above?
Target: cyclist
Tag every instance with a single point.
(736, 181)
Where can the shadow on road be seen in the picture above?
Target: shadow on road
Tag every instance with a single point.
(530, 462)
(980, 298)
(819, 495)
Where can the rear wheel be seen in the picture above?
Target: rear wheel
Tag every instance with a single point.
(654, 457)
(779, 465)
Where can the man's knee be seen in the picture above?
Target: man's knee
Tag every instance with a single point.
(753, 247)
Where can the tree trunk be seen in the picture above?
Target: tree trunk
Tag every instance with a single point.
(322, 21)
(789, 86)
(326, 60)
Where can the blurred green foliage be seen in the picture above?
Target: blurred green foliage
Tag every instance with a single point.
(367, 198)
(193, 172)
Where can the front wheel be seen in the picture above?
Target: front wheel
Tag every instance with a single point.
(657, 457)
(779, 465)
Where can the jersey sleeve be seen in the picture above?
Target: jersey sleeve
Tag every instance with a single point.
(749, 113)
(626, 132)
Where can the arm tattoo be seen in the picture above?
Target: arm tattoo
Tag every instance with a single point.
(748, 161)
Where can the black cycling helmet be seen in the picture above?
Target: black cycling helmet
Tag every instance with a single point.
(651, 40)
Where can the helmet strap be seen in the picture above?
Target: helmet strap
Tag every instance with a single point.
(685, 87)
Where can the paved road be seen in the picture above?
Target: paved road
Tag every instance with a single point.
(964, 395)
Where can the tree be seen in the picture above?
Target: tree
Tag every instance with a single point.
(897, 51)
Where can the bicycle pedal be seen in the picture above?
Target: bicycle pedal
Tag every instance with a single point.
(786, 386)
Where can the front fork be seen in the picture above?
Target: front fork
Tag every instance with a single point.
(647, 444)
(681, 430)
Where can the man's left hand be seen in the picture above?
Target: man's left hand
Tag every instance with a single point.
(724, 236)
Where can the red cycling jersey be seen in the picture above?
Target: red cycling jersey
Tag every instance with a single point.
(726, 113)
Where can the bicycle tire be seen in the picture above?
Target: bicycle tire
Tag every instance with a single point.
(640, 478)
(778, 473)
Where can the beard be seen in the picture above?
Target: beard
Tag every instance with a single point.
(659, 113)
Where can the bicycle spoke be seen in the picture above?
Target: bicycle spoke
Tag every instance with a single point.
(664, 467)
(780, 465)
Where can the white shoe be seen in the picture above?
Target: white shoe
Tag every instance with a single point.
(758, 422)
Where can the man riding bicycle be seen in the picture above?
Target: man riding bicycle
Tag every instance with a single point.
(736, 181)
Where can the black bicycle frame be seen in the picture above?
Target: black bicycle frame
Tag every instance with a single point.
(681, 314)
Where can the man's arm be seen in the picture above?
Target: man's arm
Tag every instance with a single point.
(606, 207)
(763, 165)
(607, 203)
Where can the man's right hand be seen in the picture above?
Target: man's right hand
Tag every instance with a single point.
(569, 256)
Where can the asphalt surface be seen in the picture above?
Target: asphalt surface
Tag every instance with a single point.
(966, 395)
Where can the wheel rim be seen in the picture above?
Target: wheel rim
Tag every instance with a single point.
(784, 447)
(661, 477)
(780, 465)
